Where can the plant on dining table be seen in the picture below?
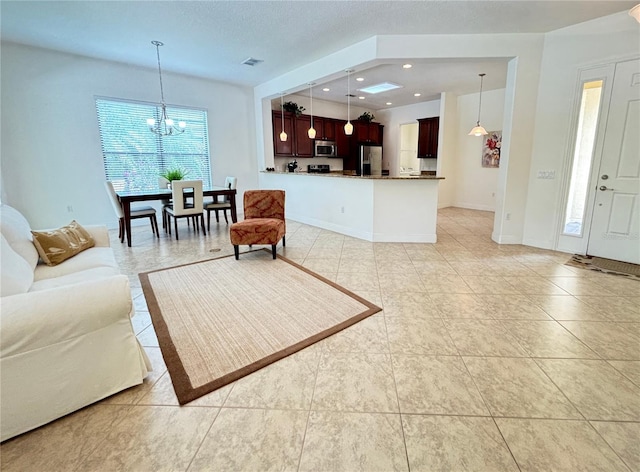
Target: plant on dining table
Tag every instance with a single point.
(174, 174)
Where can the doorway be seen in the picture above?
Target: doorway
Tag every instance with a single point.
(602, 208)
(409, 162)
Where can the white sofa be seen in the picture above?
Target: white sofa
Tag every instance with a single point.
(66, 338)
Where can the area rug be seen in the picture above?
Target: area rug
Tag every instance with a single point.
(221, 319)
(607, 266)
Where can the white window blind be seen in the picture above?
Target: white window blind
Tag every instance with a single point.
(134, 156)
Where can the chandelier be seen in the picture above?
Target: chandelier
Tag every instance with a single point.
(166, 126)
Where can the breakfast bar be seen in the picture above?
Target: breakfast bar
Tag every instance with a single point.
(375, 208)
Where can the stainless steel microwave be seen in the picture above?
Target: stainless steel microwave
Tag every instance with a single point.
(324, 148)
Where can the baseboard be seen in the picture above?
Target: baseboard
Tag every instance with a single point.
(474, 206)
(540, 243)
(366, 235)
(404, 238)
(506, 239)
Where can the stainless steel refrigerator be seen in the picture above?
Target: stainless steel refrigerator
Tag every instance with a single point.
(370, 160)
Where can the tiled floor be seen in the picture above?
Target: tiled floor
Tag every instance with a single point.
(485, 357)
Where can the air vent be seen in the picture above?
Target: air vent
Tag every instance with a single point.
(251, 61)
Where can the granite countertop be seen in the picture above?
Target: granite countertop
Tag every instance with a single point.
(372, 177)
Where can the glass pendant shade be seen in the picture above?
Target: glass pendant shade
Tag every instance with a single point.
(312, 133)
(283, 136)
(478, 131)
(348, 129)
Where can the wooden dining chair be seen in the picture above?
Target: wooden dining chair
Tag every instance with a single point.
(224, 205)
(136, 212)
(181, 209)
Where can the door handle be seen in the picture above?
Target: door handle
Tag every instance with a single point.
(603, 188)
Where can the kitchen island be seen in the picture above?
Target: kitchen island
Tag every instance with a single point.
(375, 208)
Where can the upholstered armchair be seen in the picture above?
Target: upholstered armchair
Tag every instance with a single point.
(263, 220)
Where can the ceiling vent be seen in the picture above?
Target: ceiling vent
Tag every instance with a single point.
(251, 61)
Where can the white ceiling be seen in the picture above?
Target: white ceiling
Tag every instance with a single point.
(210, 39)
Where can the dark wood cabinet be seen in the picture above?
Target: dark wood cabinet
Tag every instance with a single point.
(342, 140)
(428, 137)
(298, 143)
(369, 133)
(325, 128)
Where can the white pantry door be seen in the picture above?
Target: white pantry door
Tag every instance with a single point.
(615, 227)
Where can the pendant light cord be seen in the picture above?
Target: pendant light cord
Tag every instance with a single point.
(480, 100)
(157, 44)
(349, 95)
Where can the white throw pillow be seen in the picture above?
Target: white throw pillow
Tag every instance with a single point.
(17, 274)
(15, 228)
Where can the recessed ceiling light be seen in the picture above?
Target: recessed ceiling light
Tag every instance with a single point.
(361, 98)
(326, 89)
(417, 94)
(381, 87)
(360, 79)
(389, 103)
(407, 66)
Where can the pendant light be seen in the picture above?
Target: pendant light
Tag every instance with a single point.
(478, 130)
(166, 126)
(312, 131)
(283, 135)
(348, 128)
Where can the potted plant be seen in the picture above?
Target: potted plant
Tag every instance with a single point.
(367, 117)
(172, 174)
(292, 107)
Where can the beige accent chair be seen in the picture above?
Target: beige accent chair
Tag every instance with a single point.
(136, 212)
(180, 209)
(224, 205)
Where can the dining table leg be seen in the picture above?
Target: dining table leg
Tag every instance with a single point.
(234, 212)
(126, 209)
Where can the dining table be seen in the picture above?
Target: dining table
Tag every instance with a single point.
(127, 196)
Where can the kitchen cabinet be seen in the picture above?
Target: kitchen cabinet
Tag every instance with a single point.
(342, 140)
(365, 132)
(298, 143)
(428, 137)
(325, 128)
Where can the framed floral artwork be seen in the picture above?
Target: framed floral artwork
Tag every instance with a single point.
(491, 149)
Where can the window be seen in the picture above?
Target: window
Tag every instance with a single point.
(134, 156)
(582, 157)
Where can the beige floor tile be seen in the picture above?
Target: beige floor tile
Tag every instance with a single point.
(368, 335)
(252, 440)
(432, 267)
(534, 286)
(357, 265)
(598, 390)
(618, 285)
(151, 439)
(614, 308)
(353, 442)
(322, 265)
(518, 388)
(392, 265)
(462, 305)
(567, 307)
(483, 338)
(615, 341)
(417, 304)
(372, 296)
(579, 285)
(148, 337)
(362, 251)
(562, 446)
(400, 282)
(355, 382)
(425, 336)
(513, 307)
(452, 443)
(489, 284)
(445, 283)
(63, 444)
(473, 268)
(285, 384)
(358, 280)
(163, 394)
(547, 339)
(623, 439)
(436, 385)
(630, 369)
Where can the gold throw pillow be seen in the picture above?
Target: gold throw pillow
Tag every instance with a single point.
(58, 245)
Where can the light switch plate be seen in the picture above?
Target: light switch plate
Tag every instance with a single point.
(547, 174)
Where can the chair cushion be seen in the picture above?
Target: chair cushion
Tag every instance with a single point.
(139, 212)
(217, 206)
(257, 231)
(58, 245)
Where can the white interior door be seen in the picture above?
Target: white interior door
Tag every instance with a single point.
(615, 225)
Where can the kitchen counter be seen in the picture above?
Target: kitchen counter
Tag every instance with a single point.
(374, 208)
(361, 177)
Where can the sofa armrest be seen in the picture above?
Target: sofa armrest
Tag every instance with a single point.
(100, 234)
(34, 320)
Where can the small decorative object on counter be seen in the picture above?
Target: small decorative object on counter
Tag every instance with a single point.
(270, 169)
(367, 117)
(292, 166)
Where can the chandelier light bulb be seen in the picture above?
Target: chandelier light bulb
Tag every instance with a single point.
(151, 122)
(182, 124)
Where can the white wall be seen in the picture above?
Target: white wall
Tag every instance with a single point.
(476, 186)
(392, 118)
(566, 52)
(50, 151)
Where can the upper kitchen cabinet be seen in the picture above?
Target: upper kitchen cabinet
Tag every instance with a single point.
(298, 143)
(342, 140)
(428, 137)
(365, 132)
(325, 128)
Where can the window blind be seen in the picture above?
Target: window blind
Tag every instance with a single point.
(134, 157)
